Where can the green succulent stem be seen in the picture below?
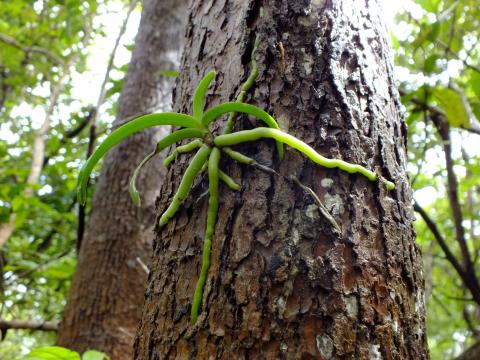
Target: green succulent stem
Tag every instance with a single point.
(237, 156)
(280, 136)
(183, 149)
(228, 107)
(185, 184)
(213, 178)
(228, 181)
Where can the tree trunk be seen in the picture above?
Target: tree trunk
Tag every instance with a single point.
(472, 353)
(103, 308)
(282, 282)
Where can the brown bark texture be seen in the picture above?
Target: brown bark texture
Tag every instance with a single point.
(472, 353)
(283, 284)
(104, 304)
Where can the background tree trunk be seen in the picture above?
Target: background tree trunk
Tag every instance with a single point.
(282, 283)
(472, 353)
(104, 305)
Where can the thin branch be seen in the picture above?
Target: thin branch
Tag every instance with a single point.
(323, 210)
(468, 319)
(5, 87)
(7, 39)
(423, 105)
(459, 298)
(94, 113)
(106, 79)
(446, 13)
(38, 152)
(443, 128)
(28, 325)
(472, 353)
(425, 142)
(457, 56)
(434, 110)
(469, 280)
(10, 279)
(473, 130)
(440, 239)
(470, 204)
(445, 46)
(452, 26)
(442, 305)
(142, 265)
(103, 88)
(428, 258)
(47, 240)
(70, 135)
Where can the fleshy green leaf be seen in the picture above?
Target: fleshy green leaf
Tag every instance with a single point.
(430, 63)
(52, 353)
(200, 93)
(434, 31)
(179, 135)
(123, 132)
(474, 82)
(132, 188)
(451, 102)
(429, 5)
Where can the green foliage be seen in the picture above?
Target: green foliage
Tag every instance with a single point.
(52, 353)
(37, 40)
(60, 353)
(437, 54)
(451, 102)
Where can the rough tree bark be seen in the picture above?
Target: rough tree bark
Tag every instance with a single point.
(472, 353)
(282, 283)
(103, 308)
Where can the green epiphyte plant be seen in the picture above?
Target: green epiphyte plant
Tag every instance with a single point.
(210, 149)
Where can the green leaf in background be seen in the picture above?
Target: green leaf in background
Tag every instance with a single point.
(474, 82)
(169, 73)
(394, 40)
(61, 269)
(430, 62)
(52, 353)
(451, 102)
(94, 355)
(429, 5)
(435, 28)
(420, 39)
(17, 203)
(476, 111)
(428, 32)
